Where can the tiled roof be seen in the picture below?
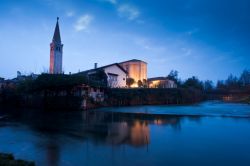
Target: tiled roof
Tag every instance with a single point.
(105, 67)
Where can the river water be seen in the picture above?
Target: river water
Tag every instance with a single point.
(210, 133)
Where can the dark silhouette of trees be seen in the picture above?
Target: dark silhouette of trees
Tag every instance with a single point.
(129, 82)
(208, 85)
(220, 85)
(173, 75)
(145, 83)
(139, 83)
(193, 82)
(233, 83)
(245, 78)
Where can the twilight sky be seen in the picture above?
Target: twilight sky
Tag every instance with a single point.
(205, 38)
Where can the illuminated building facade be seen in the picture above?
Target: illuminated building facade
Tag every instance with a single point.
(161, 82)
(136, 69)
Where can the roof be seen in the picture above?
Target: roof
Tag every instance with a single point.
(112, 74)
(57, 37)
(133, 60)
(116, 64)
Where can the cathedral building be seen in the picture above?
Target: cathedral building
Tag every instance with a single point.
(56, 52)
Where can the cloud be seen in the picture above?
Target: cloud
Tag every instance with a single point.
(128, 11)
(111, 1)
(192, 31)
(83, 22)
(186, 51)
(148, 45)
(70, 13)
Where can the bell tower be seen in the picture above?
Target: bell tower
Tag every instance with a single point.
(56, 52)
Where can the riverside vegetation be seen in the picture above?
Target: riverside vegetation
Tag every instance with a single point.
(46, 91)
(9, 160)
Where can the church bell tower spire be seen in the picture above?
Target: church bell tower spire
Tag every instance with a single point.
(56, 51)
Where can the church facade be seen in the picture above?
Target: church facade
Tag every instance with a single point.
(56, 52)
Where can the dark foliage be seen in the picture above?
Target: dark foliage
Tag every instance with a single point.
(130, 81)
(9, 160)
(193, 82)
(148, 96)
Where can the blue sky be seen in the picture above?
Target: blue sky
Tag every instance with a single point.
(209, 38)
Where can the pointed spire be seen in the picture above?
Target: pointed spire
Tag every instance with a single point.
(57, 37)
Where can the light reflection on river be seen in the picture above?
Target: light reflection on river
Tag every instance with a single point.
(106, 138)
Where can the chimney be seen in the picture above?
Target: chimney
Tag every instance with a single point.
(95, 65)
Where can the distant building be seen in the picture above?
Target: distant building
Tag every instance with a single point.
(136, 69)
(161, 82)
(20, 77)
(115, 74)
(56, 51)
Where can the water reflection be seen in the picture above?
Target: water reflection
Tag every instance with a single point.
(108, 138)
(52, 153)
(102, 127)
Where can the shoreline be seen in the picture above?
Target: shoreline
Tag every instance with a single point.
(7, 159)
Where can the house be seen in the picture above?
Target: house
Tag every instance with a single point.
(114, 73)
(20, 77)
(161, 82)
(136, 69)
(96, 93)
(117, 73)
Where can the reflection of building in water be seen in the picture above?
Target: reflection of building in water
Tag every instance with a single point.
(139, 134)
(53, 154)
(118, 132)
(116, 129)
(136, 134)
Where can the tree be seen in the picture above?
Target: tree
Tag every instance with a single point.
(245, 78)
(173, 75)
(220, 85)
(129, 82)
(145, 83)
(193, 82)
(232, 82)
(208, 85)
(139, 83)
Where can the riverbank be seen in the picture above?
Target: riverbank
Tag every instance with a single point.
(77, 100)
(153, 96)
(9, 160)
(245, 99)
